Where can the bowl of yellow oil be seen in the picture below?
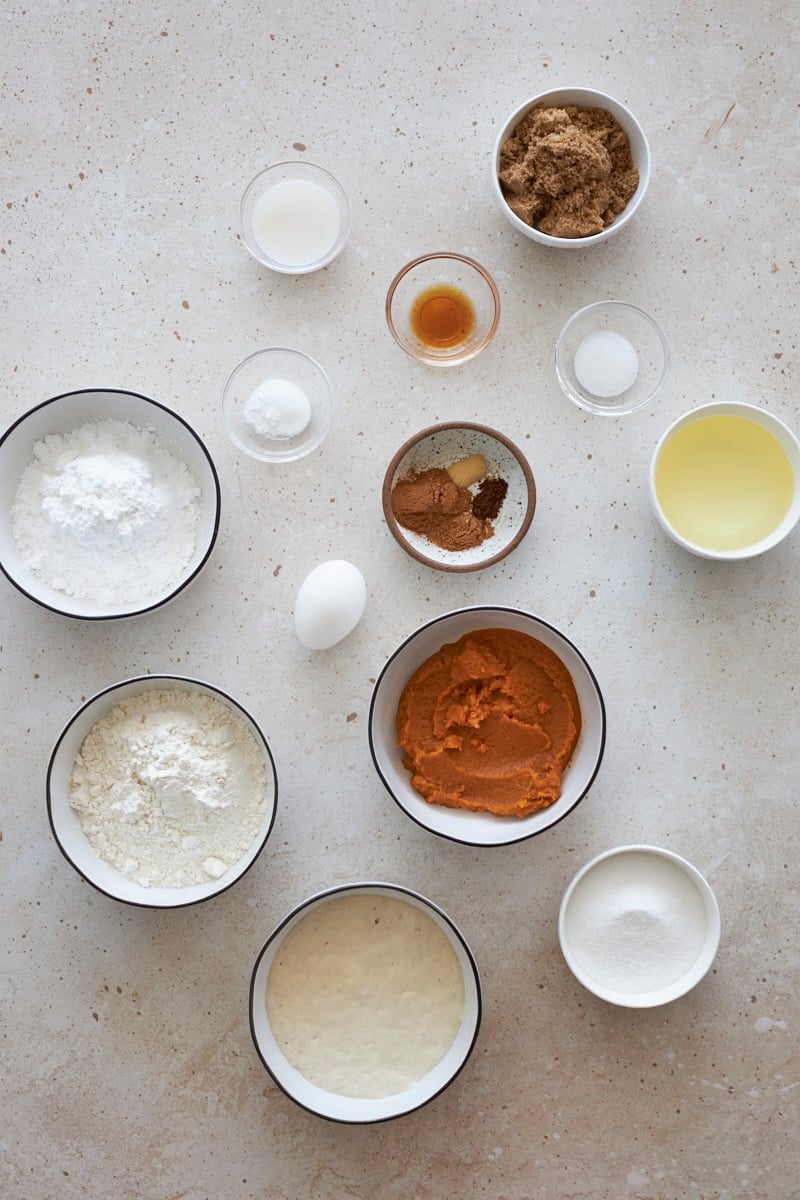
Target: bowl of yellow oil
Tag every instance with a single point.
(725, 480)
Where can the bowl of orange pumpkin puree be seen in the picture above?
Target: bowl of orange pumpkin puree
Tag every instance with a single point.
(487, 725)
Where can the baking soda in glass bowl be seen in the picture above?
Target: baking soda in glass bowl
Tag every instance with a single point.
(611, 358)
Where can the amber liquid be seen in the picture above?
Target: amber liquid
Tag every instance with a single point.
(442, 317)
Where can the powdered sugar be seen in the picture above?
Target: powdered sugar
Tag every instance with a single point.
(107, 512)
(170, 787)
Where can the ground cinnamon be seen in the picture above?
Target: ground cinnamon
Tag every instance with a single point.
(431, 504)
(567, 171)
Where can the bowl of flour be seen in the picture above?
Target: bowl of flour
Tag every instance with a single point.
(109, 504)
(161, 791)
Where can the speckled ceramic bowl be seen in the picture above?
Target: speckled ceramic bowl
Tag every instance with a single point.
(62, 415)
(459, 825)
(441, 446)
(584, 98)
(355, 1110)
(65, 822)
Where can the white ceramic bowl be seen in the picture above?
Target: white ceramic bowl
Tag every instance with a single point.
(293, 171)
(643, 890)
(277, 362)
(62, 415)
(459, 825)
(441, 446)
(65, 822)
(734, 508)
(583, 98)
(355, 1110)
(639, 329)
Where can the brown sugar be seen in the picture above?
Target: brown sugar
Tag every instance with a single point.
(567, 171)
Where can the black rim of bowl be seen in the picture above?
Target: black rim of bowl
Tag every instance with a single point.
(487, 608)
(360, 886)
(217, 508)
(167, 681)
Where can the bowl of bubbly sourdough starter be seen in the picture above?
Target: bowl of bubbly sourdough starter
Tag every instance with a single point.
(365, 1002)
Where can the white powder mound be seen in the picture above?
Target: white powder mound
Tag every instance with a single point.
(170, 788)
(107, 512)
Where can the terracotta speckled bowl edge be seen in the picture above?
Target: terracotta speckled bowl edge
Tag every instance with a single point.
(397, 530)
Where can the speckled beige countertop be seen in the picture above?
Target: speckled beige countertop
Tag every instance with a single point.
(129, 131)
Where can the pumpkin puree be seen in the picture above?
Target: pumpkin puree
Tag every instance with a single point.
(488, 723)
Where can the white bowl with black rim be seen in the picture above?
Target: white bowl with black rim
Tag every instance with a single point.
(461, 825)
(356, 1109)
(66, 825)
(64, 414)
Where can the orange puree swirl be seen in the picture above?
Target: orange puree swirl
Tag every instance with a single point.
(489, 723)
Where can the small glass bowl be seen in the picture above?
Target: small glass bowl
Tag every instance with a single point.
(292, 171)
(277, 362)
(450, 270)
(644, 334)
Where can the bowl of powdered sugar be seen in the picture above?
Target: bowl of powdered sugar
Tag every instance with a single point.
(639, 926)
(161, 791)
(109, 504)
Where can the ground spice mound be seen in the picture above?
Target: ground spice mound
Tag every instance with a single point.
(431, 504)
(489, 723)
(567, 172)
(488, 501)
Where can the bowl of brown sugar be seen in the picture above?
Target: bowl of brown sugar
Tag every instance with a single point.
(458, 496)
(570, 167)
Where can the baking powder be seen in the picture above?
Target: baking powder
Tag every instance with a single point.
(170, 787)
(277, 408)
(107, 512)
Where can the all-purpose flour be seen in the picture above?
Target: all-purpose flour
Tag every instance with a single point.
(107, 512)
(170, 787)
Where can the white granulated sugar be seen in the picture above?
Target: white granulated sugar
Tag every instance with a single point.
(107, 512)
(170, 787)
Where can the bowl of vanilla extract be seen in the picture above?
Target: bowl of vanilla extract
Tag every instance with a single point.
(443, 309)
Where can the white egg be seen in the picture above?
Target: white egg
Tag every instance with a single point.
(329, 604)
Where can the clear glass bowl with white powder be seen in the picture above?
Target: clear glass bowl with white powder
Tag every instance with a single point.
(277, 404)
(611, 358)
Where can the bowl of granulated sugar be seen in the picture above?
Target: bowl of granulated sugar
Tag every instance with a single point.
(161, 791)
(109, 504)
(639, 926)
